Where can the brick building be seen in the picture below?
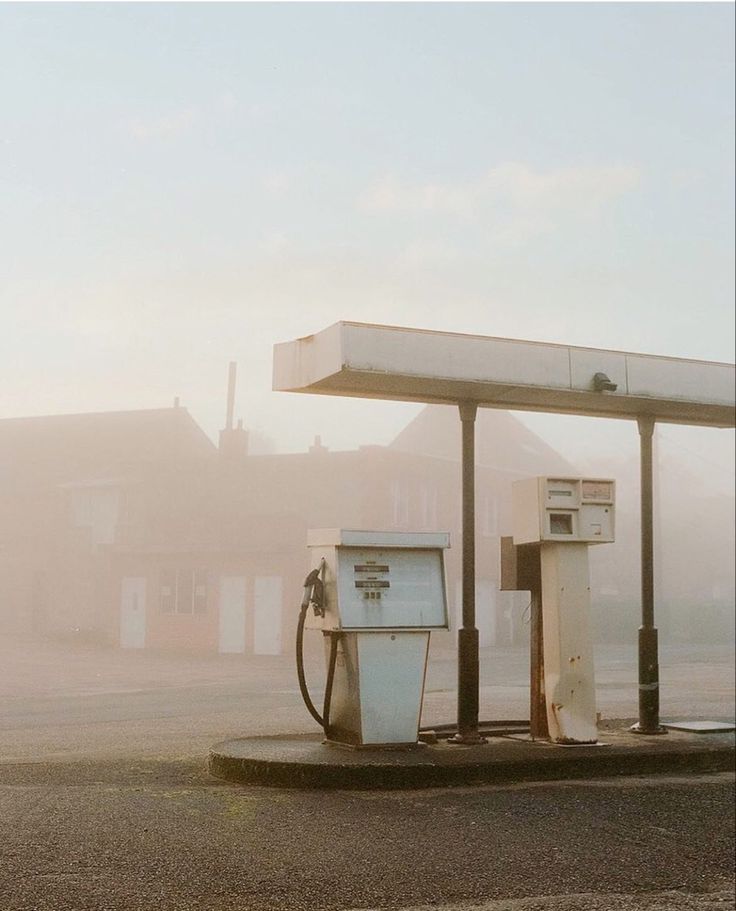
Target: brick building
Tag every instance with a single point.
(133, 528)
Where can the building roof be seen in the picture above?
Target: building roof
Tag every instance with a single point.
(56, 449)
(502, 441)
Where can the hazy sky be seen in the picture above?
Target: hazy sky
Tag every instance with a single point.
(185, 184)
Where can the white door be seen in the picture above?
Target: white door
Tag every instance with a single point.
(232, 614)
(267, 597)
(133, 612)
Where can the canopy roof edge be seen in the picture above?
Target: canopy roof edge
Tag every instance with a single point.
(418, 365)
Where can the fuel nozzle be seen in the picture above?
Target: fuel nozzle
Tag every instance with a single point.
(314, 591)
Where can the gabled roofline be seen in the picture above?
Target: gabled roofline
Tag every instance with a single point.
(91, 416)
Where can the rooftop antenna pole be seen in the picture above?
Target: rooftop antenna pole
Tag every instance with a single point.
(231, 395)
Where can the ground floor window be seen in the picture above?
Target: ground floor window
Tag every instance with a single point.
(183, 591)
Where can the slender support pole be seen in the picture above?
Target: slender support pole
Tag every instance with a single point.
(538, 726)
(468, 682)
(648, 645)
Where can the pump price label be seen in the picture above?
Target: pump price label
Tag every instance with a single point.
(372, 583)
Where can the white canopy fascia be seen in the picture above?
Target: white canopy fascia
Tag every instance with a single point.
(418, 365)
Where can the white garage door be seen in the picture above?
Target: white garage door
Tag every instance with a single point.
(133, 612)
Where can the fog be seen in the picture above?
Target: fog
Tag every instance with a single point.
(151, 579)
(185, 185)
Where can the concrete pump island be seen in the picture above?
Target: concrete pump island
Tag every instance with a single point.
(375, 596)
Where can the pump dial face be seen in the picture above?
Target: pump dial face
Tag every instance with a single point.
(596, 490)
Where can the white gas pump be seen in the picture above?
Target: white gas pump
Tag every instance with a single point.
(375, 596)
(564, 516)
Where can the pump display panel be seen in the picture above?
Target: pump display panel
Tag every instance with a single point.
(390, 588)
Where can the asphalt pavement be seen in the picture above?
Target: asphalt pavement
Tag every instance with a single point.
(106, 803)
(127, 836)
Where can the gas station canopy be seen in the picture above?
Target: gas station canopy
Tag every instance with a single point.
(417, 365)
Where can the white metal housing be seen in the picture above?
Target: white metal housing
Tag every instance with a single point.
(565, 515)
(569, 671)
(563, 510)
(383, 592)
(387, 362)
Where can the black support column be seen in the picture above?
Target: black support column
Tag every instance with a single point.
(468, 678)
(648, 645)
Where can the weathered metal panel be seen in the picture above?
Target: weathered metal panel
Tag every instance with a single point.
(304, 361)
(569, 675)
(668, 378)
(446, 355)
(391, 687)
(387, 362)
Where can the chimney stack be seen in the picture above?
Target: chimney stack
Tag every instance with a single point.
(317, 445)
(233, 441)
(231, 395)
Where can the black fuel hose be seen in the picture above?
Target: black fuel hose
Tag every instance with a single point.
(322, 720)
(328, 685)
